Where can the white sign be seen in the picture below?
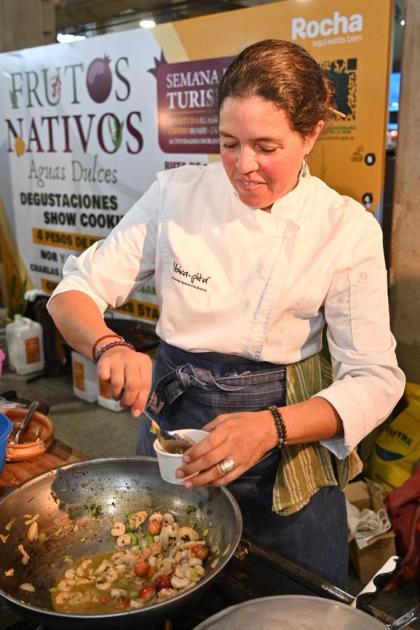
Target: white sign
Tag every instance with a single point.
(80, 143)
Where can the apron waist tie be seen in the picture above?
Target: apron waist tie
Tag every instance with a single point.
(178, 380)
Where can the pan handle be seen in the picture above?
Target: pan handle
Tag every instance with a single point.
(406, 619)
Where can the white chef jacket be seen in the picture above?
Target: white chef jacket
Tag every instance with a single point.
(258, 284)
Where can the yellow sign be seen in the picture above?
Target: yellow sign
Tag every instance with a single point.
(351, 40)
(48, 285)
(135, 308)
(67, 240)
(142, 310)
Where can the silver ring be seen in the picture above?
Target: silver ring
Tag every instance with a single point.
(227, 465)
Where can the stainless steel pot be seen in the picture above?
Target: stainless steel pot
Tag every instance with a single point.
(117, 485)
(282, 612)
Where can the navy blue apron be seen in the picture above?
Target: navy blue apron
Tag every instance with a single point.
(189, 390)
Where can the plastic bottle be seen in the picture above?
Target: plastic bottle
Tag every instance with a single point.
(25, 348)
(85, 380)
(105, 399)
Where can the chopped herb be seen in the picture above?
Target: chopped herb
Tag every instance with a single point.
(205, 532)
(94, 509)
(190, 508)
(67, 559)
(130, 530)
(42, 537)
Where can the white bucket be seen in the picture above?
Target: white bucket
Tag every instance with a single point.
(105, 399)
(85, 383)
(25, 349)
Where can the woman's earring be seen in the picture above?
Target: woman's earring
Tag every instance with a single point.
(305, 165)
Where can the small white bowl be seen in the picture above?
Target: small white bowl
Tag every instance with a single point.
(169, 462)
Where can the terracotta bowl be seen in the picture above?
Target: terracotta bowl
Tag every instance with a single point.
(34, 440)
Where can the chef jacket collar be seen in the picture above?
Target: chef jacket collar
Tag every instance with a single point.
(290, 206)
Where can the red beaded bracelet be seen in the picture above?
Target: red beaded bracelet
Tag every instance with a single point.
(113, 344)
(95, 345)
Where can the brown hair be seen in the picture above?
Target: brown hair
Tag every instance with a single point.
(286, 74)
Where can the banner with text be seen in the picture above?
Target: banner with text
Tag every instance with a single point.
(85, 127)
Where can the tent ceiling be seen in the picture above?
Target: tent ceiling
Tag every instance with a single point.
(77, 13)
(97, 16)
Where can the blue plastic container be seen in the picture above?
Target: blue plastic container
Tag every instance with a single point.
(5, 430)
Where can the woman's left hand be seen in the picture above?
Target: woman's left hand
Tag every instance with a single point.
(243, 437)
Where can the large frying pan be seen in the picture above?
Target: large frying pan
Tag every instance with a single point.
(118, 485)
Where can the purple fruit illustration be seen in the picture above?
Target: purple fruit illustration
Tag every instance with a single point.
(99, 79)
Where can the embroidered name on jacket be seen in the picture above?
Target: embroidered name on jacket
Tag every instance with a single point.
(194, 280)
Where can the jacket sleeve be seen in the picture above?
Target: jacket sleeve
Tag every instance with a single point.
(111, 269)
(367, 380)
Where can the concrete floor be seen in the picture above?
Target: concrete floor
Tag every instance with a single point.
(97, 432)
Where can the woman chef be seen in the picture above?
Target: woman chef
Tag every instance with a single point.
(252, 257)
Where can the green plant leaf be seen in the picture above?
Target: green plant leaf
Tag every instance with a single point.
(13, 99)
(115, 131)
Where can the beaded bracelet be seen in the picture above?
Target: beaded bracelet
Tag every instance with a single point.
(113, 344)
(280, 425)
(95, 345)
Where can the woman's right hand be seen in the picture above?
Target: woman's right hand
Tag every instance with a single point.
(129, 374)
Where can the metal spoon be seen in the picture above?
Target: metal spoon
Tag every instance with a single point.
(170, 441)
(32, 408)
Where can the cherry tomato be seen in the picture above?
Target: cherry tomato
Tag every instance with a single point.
(141, 568)
(154, 527)
(163, 581)
(123, 602)
(200, 551)
(104, 599)
(147, 591)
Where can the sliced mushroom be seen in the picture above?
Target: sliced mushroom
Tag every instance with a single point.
(25, 554)
(34, 518)
(32, 533)
(27, 586)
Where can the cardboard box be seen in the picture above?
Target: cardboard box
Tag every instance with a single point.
(366, 562)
